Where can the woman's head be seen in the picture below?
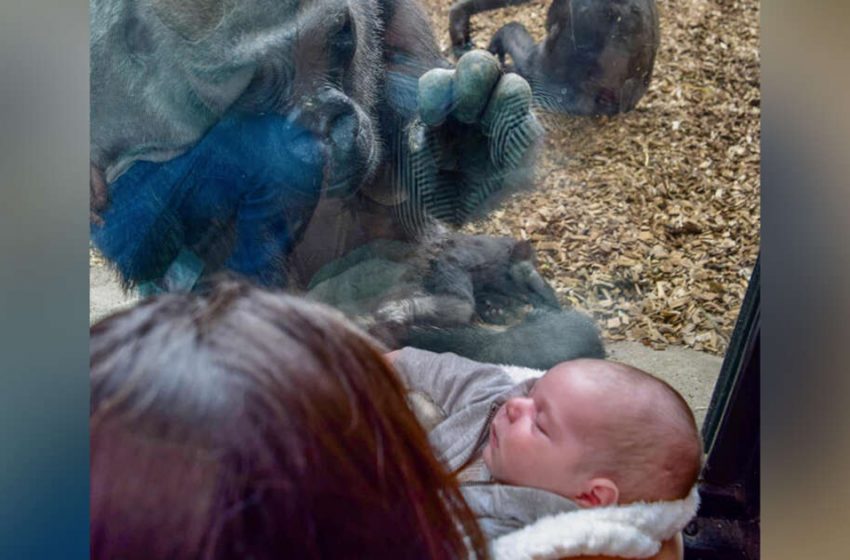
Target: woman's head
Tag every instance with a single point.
(243, 423)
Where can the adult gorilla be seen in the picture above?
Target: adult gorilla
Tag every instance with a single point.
(268, 137)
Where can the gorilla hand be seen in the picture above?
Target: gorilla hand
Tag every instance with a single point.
(475, 137)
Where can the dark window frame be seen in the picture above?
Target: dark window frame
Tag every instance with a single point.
(727, 524)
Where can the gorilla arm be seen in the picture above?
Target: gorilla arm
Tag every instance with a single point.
(462, 10)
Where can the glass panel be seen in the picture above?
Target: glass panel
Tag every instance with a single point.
(364, 157)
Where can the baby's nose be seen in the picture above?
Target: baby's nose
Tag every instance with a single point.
(518, 406)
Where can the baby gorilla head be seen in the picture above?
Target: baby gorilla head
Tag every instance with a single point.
(599, 433)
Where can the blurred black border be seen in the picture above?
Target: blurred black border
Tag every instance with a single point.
(44, 286)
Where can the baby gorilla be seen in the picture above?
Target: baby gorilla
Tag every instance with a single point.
(478, 296)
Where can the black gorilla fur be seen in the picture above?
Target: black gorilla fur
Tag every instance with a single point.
(597, 57)
(475, 295)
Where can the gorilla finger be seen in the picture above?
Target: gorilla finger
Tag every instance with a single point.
(510, 102)
(476, 76)
(435, 95)
(509, 123)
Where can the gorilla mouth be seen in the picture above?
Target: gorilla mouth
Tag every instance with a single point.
(607, 100)
(353, 154)
(346, 136)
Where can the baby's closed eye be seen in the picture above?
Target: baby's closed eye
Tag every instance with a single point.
(540, 427)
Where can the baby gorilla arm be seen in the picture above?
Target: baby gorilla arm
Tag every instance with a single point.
(460, 13)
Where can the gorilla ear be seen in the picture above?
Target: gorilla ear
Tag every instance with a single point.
(191, 19)
(522, 251)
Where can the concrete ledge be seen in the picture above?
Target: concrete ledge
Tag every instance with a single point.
(691, 373)
(105, 294)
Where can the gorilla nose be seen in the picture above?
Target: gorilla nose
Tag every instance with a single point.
(331, 115)
(343, 129)
(335, 120)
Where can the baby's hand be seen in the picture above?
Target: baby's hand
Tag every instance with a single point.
(392, 356)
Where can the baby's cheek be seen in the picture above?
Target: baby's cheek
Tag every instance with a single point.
(487, 455)
(524, 442)
(519, 454)
(520, 470)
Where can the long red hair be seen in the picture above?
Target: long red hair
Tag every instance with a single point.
(247, 424)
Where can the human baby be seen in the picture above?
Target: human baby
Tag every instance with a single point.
(586, 434)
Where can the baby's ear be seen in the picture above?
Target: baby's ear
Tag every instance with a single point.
(600, 492)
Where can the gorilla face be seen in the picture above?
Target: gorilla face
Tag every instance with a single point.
(315, 61)
(339, 102)
(617, 42)
(326, 82)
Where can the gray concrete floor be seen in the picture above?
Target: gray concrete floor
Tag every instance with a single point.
(105, 294)
(692, 373)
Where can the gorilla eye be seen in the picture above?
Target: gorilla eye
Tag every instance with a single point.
(342, 43)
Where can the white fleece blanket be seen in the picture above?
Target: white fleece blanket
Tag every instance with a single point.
(632, 531)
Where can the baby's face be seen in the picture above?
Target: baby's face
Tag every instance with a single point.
(543, 440)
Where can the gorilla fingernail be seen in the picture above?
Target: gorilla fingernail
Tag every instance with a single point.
(476, 75)
(511, 100)
(436, 89)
